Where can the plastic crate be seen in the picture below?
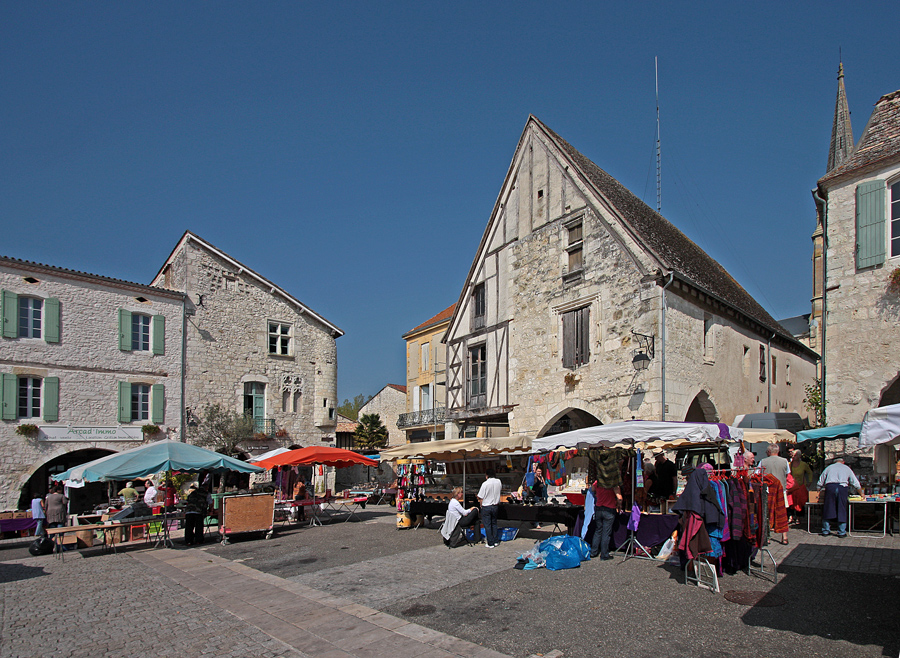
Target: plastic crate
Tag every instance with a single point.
(470, 533)
(508, 534)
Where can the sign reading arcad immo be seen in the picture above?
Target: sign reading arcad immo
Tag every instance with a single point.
(57, 433)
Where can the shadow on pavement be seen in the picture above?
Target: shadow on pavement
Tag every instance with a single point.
(857, 608)
(10, 573)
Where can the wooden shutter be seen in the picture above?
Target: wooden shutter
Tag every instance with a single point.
(51, 320)
(157, 403)
(124, 402)
(583, 335)
(568, 327)
(51, 399)
(125, 339)
(10, 385)
(159, 334)
(870, 213)
(10, 315)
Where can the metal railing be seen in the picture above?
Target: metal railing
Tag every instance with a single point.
(424, 417)
(264, 426)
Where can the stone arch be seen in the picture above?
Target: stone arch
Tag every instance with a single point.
(702, 410)
(37, 481)
(891, 393)
(569, 418)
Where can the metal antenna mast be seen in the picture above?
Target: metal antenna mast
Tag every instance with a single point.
(658, 187)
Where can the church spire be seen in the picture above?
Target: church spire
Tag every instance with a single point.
(841, 131)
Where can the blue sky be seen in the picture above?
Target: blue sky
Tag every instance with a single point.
(352, 152)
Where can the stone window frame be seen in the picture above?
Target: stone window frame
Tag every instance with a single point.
(574, 248)
(274, 349)
(595, 329)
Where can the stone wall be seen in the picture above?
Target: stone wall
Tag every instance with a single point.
(89, 364)
(227, 347)
(862, 320)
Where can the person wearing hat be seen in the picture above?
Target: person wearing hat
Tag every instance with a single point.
(129, 494)
(197, 504)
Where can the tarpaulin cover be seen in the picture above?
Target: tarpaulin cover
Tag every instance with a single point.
(881, 425)
(153, 458)
(640, 432)
(452, 449)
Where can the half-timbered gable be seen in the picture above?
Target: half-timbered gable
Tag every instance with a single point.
(567, 288)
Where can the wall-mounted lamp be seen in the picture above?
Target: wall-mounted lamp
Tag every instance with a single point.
(644, 352)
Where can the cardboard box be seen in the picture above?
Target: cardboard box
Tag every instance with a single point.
(5, 516)
(22, 515)
(814, 496)
(84, 538)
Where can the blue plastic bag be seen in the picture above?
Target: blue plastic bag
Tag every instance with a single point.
(565, 552)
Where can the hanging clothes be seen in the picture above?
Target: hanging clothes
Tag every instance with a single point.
(778, 519)
(719, 487)
(693, 538)
(699, 497)
(609, 474)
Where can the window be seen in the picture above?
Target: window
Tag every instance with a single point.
(762, 363)
(478, 306)
(255, 400)
(709, 343)
(279, 338)
(746, 361)
(140, 332)
(895, 219)
(425, 353)
(774, 370)
(425, 393)
(29, 397)
(478, 376)
(575, 247)
(787, 373)
(30, 316)
(140, 402)
(576, 337)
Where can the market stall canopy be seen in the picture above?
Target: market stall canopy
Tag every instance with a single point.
(453, 449)
(641, 433)
(835, 432)
(881, 425)
(764, 435)
(270, 453)
(316, 455)
(153, 458)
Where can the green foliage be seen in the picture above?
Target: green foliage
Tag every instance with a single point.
(27, 430)
(814, 403)
(221, 429)
(894, 281)
(350, 409)
(150, 430)
(370, 433)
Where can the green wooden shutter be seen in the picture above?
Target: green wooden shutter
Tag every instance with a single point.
(51, 320)
(870, 213)
(51, 399)
(10, 385)
(10, 315)
(124, 402)
(125, 334)
(157, 403)
(159, 334)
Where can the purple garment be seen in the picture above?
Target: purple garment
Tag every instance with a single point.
(634, 520)
(737, 508)
(720, 496)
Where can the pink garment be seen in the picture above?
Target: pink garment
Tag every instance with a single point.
(691, 526)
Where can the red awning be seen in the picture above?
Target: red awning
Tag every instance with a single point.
(316, 455)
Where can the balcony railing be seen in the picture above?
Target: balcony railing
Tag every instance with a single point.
(264, 426)
(423, 417)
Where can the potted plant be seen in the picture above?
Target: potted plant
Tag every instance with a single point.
(571, 379)
(27, 430)
(150, 430)
(893, 286)
(281, 433)
(260, 436)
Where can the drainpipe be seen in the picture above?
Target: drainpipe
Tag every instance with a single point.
(184, 318)
(820, 203)
(769, 372)
(662, 344)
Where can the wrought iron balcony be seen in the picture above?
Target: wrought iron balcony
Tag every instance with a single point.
(422, 418)
(264, 426)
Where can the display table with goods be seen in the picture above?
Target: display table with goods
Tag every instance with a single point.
(558, 515)
(653, 529)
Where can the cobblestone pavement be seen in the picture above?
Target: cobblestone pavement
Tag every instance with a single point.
(367, 589)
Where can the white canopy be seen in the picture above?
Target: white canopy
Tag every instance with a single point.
(452, 449)
(654, 433)
(880, 425)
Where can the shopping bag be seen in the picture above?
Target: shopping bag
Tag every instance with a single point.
(666, 549)
(565, 552)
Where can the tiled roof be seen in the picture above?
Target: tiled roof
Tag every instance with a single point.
(440, 317)
(880, 140)
(673, 248)
(349, 428)
(397, 387)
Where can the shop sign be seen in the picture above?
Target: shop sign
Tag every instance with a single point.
(89, 434)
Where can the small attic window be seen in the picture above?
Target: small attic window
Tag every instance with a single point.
(31, 279)
(142, 300)
(540, 194)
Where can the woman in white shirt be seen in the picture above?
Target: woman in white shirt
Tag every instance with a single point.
(458, 518)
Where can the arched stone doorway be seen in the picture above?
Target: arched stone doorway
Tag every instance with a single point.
(79, 499)
(891, 395)
(570, 419)
(702, 410)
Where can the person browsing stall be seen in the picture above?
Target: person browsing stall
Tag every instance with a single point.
(37, 513)
(197, 505)
(129, 494)
(489, 498)
(458, 518)
(607, 502)
(836, 480)
(150, 493)
(780, 467)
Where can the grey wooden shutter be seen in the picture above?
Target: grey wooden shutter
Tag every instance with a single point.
(10, 314)
(51, 399)
(870, 213)
(583, 334)
(159, 334)
(124, 402)
(568, 329)
(125, 333)
(9, 407)
(157, 403)
(51, 320)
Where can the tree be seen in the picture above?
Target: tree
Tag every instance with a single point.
(221, 429)
(371, 433)
(350, 409)
(814, 402)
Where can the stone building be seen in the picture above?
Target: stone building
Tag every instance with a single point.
(388, 403)
(856, 250)
(426, 374)
(252, 347)
(584, 306)
(89, 361)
